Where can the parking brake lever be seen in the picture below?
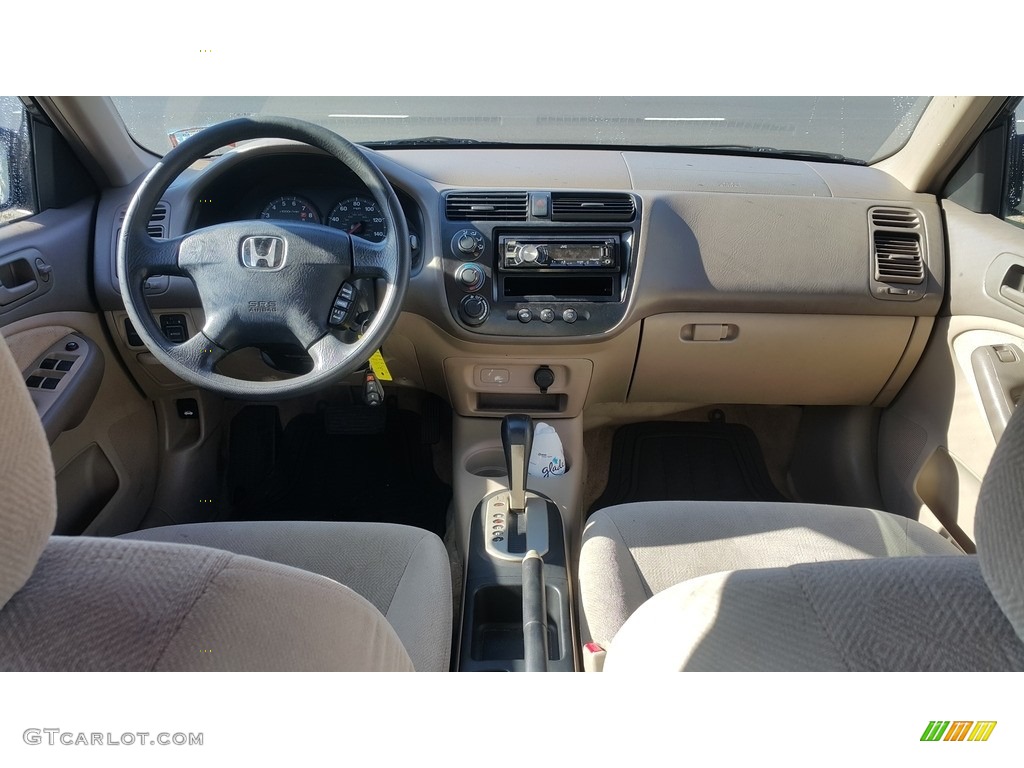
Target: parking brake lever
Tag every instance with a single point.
(517, 440)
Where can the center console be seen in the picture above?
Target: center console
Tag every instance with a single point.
(516, 604)
(538, 263)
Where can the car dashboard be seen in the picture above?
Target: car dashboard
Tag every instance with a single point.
(638, 276)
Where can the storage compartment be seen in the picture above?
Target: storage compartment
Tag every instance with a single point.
(498, 623)
(509, 402)
(768, 359)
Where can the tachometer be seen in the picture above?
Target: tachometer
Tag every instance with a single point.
(360, 216)
(291, 208)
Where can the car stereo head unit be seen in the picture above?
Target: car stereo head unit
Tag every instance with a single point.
(558, 252)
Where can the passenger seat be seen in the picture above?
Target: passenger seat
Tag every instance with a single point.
(708, 586)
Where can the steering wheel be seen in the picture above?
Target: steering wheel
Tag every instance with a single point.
(265, 282)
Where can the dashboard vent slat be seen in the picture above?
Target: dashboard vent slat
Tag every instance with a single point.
(898, 257)
(492, 206)
(897, 218)
(897, 246)
(158, 221)
(157, 226)
(570, 206)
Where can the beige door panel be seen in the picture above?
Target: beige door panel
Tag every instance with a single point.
(106, 465)
(937, 439)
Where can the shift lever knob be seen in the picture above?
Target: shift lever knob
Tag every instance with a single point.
(517, 440)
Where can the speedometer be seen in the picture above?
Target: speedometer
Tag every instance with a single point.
(291, 208)
(360, 216)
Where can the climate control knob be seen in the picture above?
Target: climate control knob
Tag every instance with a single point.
(470, 277)
(468, 243)
(473, 309)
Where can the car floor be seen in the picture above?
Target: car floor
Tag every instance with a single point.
(774, 429)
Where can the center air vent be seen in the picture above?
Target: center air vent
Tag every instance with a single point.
(575, 206)
(484, 206)
(896, 246)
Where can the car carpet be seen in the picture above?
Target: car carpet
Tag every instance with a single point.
(671, 460)
(387, 476)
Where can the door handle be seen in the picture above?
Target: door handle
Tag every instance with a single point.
(1012, 294)
(10, 295)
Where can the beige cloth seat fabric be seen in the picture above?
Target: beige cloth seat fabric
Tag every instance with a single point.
(120, 604)
(114, 605)
(400, 570)
(932, 614)
(923, 613)
(632, 552)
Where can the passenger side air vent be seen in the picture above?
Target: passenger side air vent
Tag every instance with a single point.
(481, 206)
(575, 206)
(898, 258)
(895, 218)
(896, 246)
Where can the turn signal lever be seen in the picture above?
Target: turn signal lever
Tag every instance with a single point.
(517, 440)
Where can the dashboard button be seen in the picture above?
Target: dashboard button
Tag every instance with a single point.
(524, 315)
(569, 315)
(547, 314)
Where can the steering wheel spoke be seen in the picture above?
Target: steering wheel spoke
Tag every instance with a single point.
(198, 353)
(146, 256)
(377, 260)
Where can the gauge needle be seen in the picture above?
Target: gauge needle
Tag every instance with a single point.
(356, 228)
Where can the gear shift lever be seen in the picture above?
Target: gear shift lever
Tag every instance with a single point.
(517, 440)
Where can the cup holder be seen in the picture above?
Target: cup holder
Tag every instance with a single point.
(490, 462)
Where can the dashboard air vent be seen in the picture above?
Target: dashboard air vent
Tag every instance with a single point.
(157, 226)
(573, 206)
(896, 245)
(158, 221)
(895, 218)
(481, 206)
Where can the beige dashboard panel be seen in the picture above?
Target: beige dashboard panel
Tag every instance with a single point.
(767, 358)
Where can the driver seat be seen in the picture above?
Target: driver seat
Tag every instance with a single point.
(255, 597)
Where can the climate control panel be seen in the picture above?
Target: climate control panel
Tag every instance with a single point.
(536, 277)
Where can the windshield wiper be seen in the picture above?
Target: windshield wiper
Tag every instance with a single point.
(753, 150)
(426, 141)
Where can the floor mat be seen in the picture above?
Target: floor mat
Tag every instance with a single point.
(671, 460)
(383, 477)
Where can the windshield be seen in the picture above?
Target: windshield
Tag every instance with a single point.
(861, 128)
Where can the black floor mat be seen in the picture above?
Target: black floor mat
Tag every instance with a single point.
(669, 460)
(383, 477)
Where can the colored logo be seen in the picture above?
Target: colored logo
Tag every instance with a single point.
(958, 730)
